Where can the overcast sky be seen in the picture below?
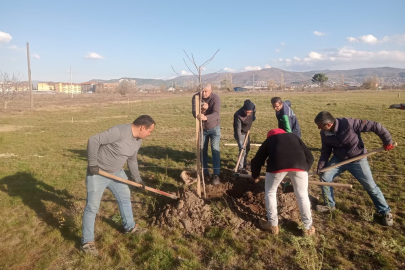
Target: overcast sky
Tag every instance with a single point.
(114, 39)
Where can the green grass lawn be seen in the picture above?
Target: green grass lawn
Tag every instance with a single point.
(43, 192)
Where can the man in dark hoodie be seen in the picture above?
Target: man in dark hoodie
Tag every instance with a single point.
(342, 137)
(287, 120)
(242, 123)
(210, 107)
(285, 154)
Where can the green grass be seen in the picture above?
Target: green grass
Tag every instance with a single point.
(43, 192)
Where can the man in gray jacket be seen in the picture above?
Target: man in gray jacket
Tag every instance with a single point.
(342, 136)
(242, 123)
(210, 107)
(109, 151)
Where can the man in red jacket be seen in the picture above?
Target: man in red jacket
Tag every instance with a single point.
(342, 136)
(285, 154)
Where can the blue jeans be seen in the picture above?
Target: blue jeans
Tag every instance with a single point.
(361, 171)
(96, 184)
(215, 135)
(243, 159)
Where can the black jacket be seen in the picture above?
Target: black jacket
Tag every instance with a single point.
(242, 123)
(287, 119)
(282, 151)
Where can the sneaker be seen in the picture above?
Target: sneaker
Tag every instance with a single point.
(309, 232)
(242, 171)
(267, 227)
(137, 230)
(216, 180)
(387, 220)
(324, 208)
(89, 248)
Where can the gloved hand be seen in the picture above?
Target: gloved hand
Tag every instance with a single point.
(142, 183)
(388, 147)
(93, 169)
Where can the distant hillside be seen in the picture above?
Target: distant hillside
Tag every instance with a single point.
(354, 76)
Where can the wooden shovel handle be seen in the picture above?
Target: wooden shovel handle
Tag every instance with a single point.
(106, 174)
(318, 183)
(241, 151)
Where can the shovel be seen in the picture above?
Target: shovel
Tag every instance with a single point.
(288, 187)
(106, 174)
(241, 151)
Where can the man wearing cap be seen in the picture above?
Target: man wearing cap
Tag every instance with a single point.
(285, 154)
(210, 107)
(342, 137)
(242, 123)
(285, 116)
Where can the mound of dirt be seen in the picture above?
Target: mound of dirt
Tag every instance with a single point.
(236, 203)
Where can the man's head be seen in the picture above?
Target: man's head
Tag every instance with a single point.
(324, 120)
(275, 131)
(207, 90)
(248, 107)
(277, 103)
(143, 126)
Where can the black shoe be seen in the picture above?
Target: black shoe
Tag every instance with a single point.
(216, 180)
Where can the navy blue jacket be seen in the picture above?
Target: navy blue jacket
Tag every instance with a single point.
(287, 119)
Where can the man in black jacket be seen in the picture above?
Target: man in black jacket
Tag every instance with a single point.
(285, 154)
(242, 123)
(287, 120)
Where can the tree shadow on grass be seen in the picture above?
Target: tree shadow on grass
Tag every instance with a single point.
(32, 192)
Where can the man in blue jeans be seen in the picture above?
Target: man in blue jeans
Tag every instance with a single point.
(342, 136)
(210, 107)
(109, 151)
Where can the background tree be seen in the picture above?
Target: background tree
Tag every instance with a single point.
(271, 84)
(127, 87)
(320, 79)
(9, 87)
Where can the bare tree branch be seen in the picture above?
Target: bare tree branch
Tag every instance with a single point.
(192, 61)
(189, 67)
(209, 60)
(175, 71)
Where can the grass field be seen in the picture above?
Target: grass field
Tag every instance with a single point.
(42, 190)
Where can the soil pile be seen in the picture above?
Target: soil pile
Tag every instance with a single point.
(236, 203)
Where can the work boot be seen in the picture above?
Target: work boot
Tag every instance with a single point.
(89, 248)
(137, 230)
(387, 220)
(216, 180)
(309, 232)
(267, 227)
(324, 208)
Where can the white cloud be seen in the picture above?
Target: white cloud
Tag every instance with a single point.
(183, 72)
(15, 48)
(251, 68)
(400, 39)
(93, 55)
(314, 55)
(347, 58)
(267, 66)
(35, 55)
(277, 50)
(369, 39)
(288, 60)
(5, 37)
(229, 69)
(282, 43)
(319, 34)
(280, 59)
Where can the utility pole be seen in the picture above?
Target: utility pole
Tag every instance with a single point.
(29, 76)
(253, 81)
(71, 89)
(282, 81)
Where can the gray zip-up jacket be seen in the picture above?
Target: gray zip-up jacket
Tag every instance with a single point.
(345, 141)
(112, 148)
(212, 113)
